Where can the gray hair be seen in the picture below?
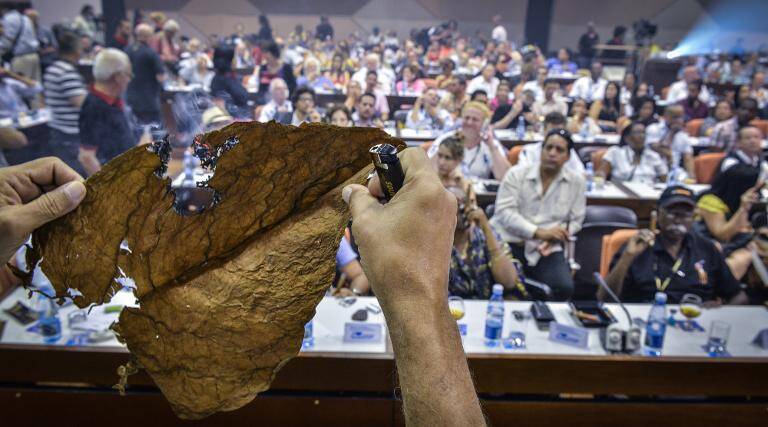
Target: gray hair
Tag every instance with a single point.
(109, 62)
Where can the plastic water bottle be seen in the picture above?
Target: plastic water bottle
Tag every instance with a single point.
(584, 131)
(674, 176)
(521, 127)
(50, 325)
(309, 337)
(590, 175)
(494, 318)
(189, 170)
(656, 326)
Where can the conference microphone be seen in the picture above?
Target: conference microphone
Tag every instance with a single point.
(614, 337)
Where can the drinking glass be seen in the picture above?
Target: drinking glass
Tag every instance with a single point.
(718, 338)
(690, 307)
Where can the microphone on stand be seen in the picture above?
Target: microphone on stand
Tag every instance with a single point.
(614, 337)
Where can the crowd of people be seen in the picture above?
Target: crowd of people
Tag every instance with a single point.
(463, 89)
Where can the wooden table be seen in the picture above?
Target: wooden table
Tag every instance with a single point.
(549, 387)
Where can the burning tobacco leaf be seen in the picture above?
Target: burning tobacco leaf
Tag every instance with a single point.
(223, 294)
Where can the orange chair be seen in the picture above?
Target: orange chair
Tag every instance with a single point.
(611, 244)
(693, 127)
(514, 154)
(425, 146)
(762, 125)
(705, 166)
(597, 158)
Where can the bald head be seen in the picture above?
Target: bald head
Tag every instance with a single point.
(143, 32)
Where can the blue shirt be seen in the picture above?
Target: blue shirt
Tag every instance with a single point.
(12, 94)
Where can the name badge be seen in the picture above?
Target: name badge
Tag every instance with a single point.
(359, 332)
(568, 335)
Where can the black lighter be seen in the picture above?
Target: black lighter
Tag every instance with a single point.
(388, 168)
(391, 177)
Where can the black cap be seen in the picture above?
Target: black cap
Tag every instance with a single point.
(675, 195)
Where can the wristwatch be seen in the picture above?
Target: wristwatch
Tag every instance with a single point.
(356, 291)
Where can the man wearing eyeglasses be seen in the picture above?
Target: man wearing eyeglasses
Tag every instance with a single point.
(674, 260)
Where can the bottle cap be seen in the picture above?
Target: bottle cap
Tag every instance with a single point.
(661, 298)
(498, 289)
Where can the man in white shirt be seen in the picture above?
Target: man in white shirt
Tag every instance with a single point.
(538, 207)
(668, 138)
(486, 81)
(305, 111)
(531, 153)
(385, 76)
(499, 33)
(427, 114)
(537, 86)
(279, 105)
(592, 87)
(551, 103)
(678, 90)
(747, 150)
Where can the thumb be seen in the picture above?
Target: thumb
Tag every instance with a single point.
(359, 200)
(51, 205)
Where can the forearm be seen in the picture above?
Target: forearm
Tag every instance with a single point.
(499, 164)
(433, 393)
(615, 279)
(688, 163)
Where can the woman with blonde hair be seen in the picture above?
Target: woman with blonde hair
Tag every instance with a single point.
(484, 156)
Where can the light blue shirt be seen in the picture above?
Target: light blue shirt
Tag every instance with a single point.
(12, 94)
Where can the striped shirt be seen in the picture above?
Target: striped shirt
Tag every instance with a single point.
(62, 82)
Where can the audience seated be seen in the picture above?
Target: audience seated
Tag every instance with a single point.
(590, 88)
(562, 64)
(484, 156)
(748, 150)
(279, 107)
(455, 96)
(448, 159)
(675, 261)
(531, 153)
(15, 89)
(197, 72)
(632, 160)
(304, 103)
(479, 258)
(271, 66)
(337, 73)
(668, 138)
(410, 85)
(312, 77)
(372, 86)
(724, 134)
(502, 96)
(757, 89)
(351, 280)
(607, 111)
(339, 115)
(551, 102)
(365, 112)
(427, 114)
(722, 112)
(508, 116)
(693, 107)
(486, 81)
(678, 91)
(385, 77)
(164, 44)
(645, 111)
(579, 122)
(538, 207)
(537, 85)
(225, 86)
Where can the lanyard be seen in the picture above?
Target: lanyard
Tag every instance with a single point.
(662, 286)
